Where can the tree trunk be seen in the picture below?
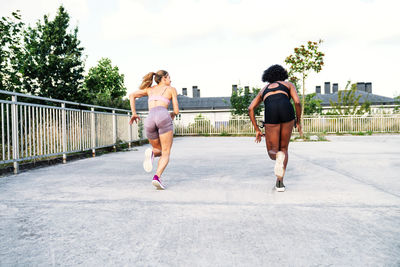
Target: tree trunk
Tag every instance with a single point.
(302, 104)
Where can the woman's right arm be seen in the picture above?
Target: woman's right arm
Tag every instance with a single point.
(297, 105)
(132, 97)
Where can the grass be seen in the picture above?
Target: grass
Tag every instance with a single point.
(361, 133)
(224, 134)
(357, 133)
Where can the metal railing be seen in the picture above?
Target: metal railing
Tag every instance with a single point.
(350, 124)
(235, 126)
(312, 124)
(30, 131)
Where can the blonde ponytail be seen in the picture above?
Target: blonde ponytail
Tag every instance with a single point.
(147, 80)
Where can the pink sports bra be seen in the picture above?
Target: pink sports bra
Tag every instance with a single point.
(160, 97)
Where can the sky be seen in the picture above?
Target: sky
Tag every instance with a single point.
(216, 43)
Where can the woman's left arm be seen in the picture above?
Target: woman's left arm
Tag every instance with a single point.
(254, 104)
(297, 106)
(175, 103)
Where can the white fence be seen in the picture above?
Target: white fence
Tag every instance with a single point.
(31, 131)
(235, 126)
(321, 124)
(351, 124)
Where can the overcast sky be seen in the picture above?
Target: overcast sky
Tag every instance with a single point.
(216, 43)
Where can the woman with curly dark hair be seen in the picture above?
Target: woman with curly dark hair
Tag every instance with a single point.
(279, 118)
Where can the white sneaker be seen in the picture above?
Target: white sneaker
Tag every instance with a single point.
(148, 160)
(279, 167)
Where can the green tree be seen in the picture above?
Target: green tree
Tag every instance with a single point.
(294, 79)
(312, 105)
(241, 99)
(11, 29)
(348, 103)
(397, 103)
(52, 65)
(304, 60)
(104, 85)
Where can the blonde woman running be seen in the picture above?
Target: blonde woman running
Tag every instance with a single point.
(158, 124)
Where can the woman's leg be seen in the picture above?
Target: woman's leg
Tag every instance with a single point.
(285, 134)
(152, 133)
(166, 140)
(156, 144)
(272, 136)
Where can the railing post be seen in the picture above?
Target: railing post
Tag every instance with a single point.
(114, 130)
(64, 132)
(93, 130)
(14, 126)
(142, 131)
(351, 123)
(130, 131)
(337, 124)
(81, 126)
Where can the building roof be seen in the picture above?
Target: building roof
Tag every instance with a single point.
(192, 103)
(374, 99)
(224, 102)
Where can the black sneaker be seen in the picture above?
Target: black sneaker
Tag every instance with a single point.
(280, 187)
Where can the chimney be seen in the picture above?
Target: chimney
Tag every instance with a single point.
(335, 88)
(327, 87)
(194, 90)
(318, 89)
(198, 92)
(368, 88)
(361, 87)
(246, 88)
(234, 88)
(184, 91)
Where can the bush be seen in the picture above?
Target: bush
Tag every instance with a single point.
(201, 126)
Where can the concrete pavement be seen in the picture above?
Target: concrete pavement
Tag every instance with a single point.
(341, 207)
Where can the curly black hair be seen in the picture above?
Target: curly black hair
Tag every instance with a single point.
(274, 73)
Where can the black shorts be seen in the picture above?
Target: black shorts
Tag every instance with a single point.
(278, 109)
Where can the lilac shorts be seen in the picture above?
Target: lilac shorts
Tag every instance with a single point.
(158, 122)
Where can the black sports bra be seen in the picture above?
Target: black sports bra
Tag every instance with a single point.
(280, 87)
